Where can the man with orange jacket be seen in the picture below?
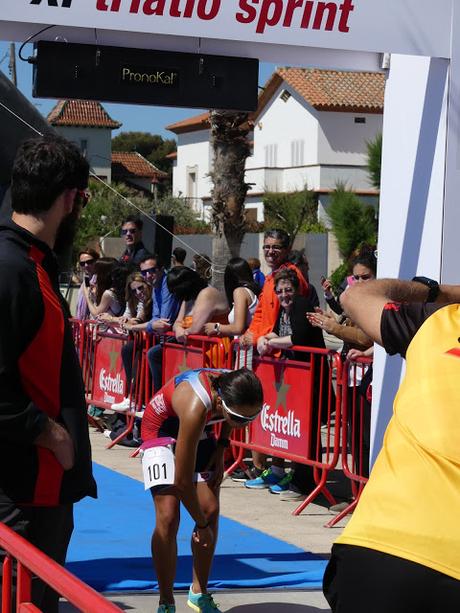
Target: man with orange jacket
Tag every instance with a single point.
(276, 251)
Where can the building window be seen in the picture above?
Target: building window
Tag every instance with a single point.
(191, 184)
(360, 120)
(297, 152)
(271, 155)
(285, 95)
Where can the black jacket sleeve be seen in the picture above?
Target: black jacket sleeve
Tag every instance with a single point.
(21, 311)
(303, 333)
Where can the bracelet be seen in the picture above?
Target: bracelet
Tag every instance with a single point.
(202, 527)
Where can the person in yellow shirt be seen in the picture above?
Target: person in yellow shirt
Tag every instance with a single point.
(400, 552)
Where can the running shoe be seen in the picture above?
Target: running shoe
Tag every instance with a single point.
(123, 406)
(167, 608)
(266, 479)
(203, 603)
(283, 485)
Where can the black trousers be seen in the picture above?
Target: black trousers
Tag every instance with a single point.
(361, 580)
(49, 529)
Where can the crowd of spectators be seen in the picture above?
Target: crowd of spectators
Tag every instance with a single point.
(269, 314)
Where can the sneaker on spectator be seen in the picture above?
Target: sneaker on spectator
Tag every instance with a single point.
(167, 608)
(203, 603)
(122, 406)
(266, 479)
(292, 493)
(239, 475)
(282, 485)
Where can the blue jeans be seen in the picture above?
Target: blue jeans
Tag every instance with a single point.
(155, 359)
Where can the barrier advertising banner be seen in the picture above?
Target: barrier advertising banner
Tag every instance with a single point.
(284, 424)
(419, 27)
(109, 379)
(176, 359)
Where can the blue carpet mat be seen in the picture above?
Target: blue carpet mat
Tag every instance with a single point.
(110, 547)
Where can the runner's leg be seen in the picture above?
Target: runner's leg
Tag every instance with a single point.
(164, 544)
(202, 557)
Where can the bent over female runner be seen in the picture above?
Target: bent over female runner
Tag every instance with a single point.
(180, 417)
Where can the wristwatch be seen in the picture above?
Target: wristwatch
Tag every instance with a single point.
(432, 285)
(217, 328)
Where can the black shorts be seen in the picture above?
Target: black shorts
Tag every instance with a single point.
(205, 451)
(361, 580)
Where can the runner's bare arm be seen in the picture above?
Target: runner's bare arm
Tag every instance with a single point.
(364, 302)
(192, 418)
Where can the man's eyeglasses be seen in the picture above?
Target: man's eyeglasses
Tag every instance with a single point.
(87, 262)
(275, 248)
(362, 277)
(126, 231)
(150, 271)
(85, 196)
(285, 290)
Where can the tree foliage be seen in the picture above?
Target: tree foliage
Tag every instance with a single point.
(105, 213)
(293, 212)
(152, 146)
(353, 222)
(374, 160)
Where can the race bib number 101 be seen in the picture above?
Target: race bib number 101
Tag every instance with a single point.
(158, 467)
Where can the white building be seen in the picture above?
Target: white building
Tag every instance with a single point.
(310, 130)
(87, 124)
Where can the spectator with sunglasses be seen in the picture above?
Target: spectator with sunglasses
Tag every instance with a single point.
(165, 307)
(179, 419)
(135, 251)
(86, 263)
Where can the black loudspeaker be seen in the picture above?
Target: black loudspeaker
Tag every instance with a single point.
(157, 236)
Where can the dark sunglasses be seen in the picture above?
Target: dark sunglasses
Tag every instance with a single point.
(151, 271)
(362, 277)
(87, 262)
(85, 196)
(126, 231)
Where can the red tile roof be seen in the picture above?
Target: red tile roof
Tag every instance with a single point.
(133, 163)
(332, 90)
(325, 90)
(81, 113)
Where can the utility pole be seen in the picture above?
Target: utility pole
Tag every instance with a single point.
(12, 64)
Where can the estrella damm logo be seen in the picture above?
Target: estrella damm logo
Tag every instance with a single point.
(66, 4)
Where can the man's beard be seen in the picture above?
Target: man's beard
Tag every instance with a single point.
(66, 233)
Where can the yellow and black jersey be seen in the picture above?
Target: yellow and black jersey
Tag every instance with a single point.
(410, 507)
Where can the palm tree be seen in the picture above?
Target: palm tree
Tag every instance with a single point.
(229, 138)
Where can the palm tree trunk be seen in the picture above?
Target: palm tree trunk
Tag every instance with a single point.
(229, 131)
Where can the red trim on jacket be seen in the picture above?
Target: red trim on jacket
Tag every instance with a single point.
(40, 369)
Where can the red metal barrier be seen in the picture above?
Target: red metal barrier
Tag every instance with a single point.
(197, 352)
(297, 421)
(32, 562)
(356, 418)
(78, 333)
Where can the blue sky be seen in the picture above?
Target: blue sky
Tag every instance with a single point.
(134, 118)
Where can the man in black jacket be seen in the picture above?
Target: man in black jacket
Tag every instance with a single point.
(45, 454)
